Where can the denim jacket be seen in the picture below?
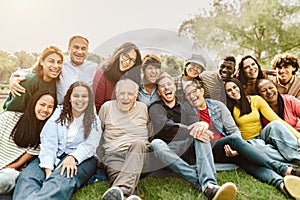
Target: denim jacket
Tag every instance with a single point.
(221, 118)
(54, 140)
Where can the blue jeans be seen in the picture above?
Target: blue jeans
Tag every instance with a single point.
(199, 177)
(31, 183)
(279, 136)
(251, 159)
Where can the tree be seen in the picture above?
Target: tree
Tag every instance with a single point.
(262, 28)
(24, 59)
(95, 58)
(8, 64)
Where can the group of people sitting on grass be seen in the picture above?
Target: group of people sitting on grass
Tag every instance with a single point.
(68, 122)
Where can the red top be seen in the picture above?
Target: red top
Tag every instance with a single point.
(204, 116)
(102, 88)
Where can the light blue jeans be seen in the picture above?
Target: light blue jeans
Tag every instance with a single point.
(278, 143)
(200, 176)
(31, 183)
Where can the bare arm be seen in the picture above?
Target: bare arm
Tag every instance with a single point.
(14, 85)
(21, 161)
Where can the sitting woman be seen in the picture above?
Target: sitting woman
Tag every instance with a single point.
(287, 107)
(247, 111)
(20, 137)
(286, 80)
(44, 75)
(248, 73)
(68, 145)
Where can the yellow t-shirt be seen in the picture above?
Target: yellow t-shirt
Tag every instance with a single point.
(250, 124)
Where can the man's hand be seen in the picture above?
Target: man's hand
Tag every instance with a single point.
(199, 131)
(68, 164)
(229, 152)
(14, 85)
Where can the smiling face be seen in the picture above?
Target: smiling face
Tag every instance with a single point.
(52, 65)
(195, 96)
(44, 107)
(127, 60)
(226, 69)
(285, 73)
(233, 91)
(268, 91)
(151, 74)
(167, 89)
(126, 95)
(193, 70)
(78, 50)
(79, 100)
(250, 68)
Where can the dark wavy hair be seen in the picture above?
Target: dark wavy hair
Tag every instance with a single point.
(243, 104)
(241, 74)
(111, 65)
(285, 59)
(66, 115)
(26, 132)
(280, 102)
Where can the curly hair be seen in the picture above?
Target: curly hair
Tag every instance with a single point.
(66, 116)
(243, 104)
(285, 60)
(38, 68)
(111, 65)
(26, 132)
(241, 74)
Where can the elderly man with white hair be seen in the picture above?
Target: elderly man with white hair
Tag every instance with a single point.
(126, 126)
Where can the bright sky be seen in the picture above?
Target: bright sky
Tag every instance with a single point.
(31, 25)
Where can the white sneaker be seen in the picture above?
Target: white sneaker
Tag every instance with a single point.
(113, 193)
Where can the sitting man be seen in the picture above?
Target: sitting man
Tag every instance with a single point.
(228, 145)
(214, 79)
(176, 129)
(123, 147)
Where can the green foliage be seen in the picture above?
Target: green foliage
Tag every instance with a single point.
(95, 58)
(259, 27)
(172, 188)
(7, 66)
(171, 64)
(24, 59)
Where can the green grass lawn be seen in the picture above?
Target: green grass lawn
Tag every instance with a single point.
(172, 188)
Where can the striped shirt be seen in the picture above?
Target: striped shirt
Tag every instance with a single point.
(9, 151)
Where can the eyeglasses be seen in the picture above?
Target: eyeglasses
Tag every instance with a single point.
(126, 57)
(191, 93)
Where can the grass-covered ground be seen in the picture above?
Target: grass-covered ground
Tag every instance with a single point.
(172, 188)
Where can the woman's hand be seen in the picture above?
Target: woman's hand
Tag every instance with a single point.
(68, 164)
(48, 172)
(229, 152)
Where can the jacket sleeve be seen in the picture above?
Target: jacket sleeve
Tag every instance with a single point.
(49, 142)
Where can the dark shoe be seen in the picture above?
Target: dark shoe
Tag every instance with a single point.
(292, 186)
(113, 193)
(226, 192)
